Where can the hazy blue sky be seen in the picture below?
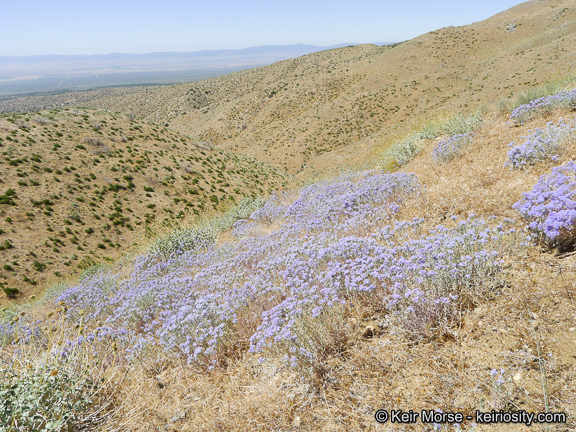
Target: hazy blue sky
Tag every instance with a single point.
(104, 26)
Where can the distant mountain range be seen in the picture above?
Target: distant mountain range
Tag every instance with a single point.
(23, 74)
(17, 66)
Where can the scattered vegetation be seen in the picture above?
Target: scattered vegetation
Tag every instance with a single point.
(293, 113)
(91, 199)
(304, 308)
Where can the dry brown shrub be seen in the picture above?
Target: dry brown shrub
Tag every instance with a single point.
(96, 142)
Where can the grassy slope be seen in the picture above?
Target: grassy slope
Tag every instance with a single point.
(80, 201)
(336, 107)
(525, 326)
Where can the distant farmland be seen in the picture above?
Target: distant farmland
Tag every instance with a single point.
(56, 73)
(10, 88)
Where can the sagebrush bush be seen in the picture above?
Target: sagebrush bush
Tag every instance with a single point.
(96, 142)
(52, 378)
(43, 400)
(401, 152)
(462, 124)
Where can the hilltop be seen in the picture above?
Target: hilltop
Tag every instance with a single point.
(337, 107)
(80, 187)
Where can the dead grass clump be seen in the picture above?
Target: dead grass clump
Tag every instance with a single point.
(22, 124)
(96, 142)
(41, 120)
(101, 150)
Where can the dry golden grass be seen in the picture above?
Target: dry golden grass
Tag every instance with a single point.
(526, 328)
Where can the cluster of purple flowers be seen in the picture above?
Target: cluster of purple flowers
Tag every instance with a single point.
(420, 277)
(563, 99)
(498, 376)
(297, 264)
(541, 145)
(452, 147)
(190, 302)
(550, 207)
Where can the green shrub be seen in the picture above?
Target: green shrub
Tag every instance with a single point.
(7, 244)
(10, 293)
(115, 187)
(86, 264)
(38, 266)
(8, 197)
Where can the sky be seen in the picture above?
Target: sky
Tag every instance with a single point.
(36, 27)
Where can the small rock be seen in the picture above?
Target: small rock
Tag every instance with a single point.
(510, 27)
(517, 377)
(179, 414)
(572, 329)
(369, 332)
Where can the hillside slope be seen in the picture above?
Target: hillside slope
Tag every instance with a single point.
(81, 187)
(424, 289)
(331, 108)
